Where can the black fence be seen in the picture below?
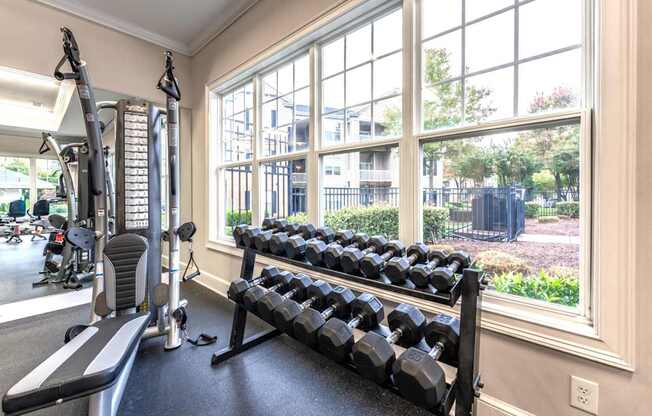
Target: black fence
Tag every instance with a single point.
(339, 198)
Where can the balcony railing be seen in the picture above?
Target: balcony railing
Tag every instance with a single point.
(375, 175)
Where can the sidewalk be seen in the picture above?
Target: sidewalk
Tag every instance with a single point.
(545, 238)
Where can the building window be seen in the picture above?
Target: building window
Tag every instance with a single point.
(237, 124)
(286, 108)
(365, 197)
(498, 59)
(15, 182)
(361, 82)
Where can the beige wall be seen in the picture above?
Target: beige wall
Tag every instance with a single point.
(526, 376)
(31, 41)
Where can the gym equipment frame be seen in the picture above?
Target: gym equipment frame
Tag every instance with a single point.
(461, 393)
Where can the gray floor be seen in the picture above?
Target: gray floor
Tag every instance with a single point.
(19, 267)
(280, 377)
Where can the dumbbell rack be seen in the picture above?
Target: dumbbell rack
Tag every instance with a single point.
(466, 386)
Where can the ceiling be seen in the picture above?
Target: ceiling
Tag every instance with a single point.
(183, 26)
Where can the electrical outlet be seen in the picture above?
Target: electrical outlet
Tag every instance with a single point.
(584, 395)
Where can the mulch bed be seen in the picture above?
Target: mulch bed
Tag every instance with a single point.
(538, 255)
(563, 227)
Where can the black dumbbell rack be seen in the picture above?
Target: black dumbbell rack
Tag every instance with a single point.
(466, 386)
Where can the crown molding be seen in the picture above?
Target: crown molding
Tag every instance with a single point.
(232, 14)
(119, 25)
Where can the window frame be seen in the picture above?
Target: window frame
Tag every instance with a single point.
(593, 334)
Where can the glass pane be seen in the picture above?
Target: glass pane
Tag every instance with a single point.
(440, 15)
(277, 141)
(490, 42)
(388, 33)
(284, 189)
(227, 102)
(239, 103)
(535, 20)
(302, 104)
(479, 8)
(301, 72)
(442, 58)
(388, 75)
(332, 128)
(14, 183)
(490, 96)
(358, 85)
(388, 117)
(358, 123)
(269, 87)
(364, 196)
(249, 96)
(442, 105)
(236, 138)
(332, 93)
(301, 134)
(550, 83)
(511, 201)
(332, 58)
(270, 114)
(285, 79)
(358, 46)
(237, 197)
(285, 110)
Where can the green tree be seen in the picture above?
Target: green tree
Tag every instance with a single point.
(544, 181)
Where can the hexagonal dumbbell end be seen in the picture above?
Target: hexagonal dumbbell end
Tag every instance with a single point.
(397, 269)
(373, 357)
(314, 251)
(307, 231)
(287, 312)
(344, 237)
(419, 378)
(420, 274)
(308, 323)
(371, 265)
(266, 306)
(295, 247)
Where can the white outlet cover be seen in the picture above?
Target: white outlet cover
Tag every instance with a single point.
(584, 395)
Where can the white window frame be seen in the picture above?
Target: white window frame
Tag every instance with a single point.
(605, 330)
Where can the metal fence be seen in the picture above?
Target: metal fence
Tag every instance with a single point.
(547, 203)
(339, 198)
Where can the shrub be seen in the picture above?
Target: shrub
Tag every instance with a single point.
(299, 218)
(564, 290)
(446, 247)
(569, 208)
(499, 262)
(548, 220)
(238, 217)
(532, 209)
(384, 220)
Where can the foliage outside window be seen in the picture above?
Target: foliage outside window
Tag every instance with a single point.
(15, 181)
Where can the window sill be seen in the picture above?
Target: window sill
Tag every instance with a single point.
(539, 324)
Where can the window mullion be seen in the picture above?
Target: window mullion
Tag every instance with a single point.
(256, 215)
(409, 219)
(314, 129)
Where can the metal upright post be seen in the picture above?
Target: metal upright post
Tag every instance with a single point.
(95, 151)
(468, 378)
(169, 85)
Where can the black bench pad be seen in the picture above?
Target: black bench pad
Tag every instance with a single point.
(90, 362)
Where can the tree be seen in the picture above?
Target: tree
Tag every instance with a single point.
(544, 181)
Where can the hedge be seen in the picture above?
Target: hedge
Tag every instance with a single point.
(552, 288)
(238, 217)
(570, 208)
(532, 209)
(384, 220)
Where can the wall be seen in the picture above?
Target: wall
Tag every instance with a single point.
(117, 62)
(528, 377)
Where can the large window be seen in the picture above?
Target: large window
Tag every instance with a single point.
(361, 82)
(494, 139)
(15, 181)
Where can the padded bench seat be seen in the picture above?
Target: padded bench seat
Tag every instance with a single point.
(92, 361)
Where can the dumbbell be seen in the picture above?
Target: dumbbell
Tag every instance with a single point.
(278, 241)
(285, 314)
(262, 239)
(248, 238)
(350, 258)
(372, 264)
(296, 245)
(253, 295)
(374, 355)
(419, 377)
(307, 231)
(335, 338)
(397, 269)
(271, 300)
(420, 274)
(316, 248)
(331, 256)
(308, 323)
(238, 233)
(239, 287)
(443, 278)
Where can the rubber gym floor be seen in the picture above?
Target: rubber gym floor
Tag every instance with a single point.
(280, 377)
